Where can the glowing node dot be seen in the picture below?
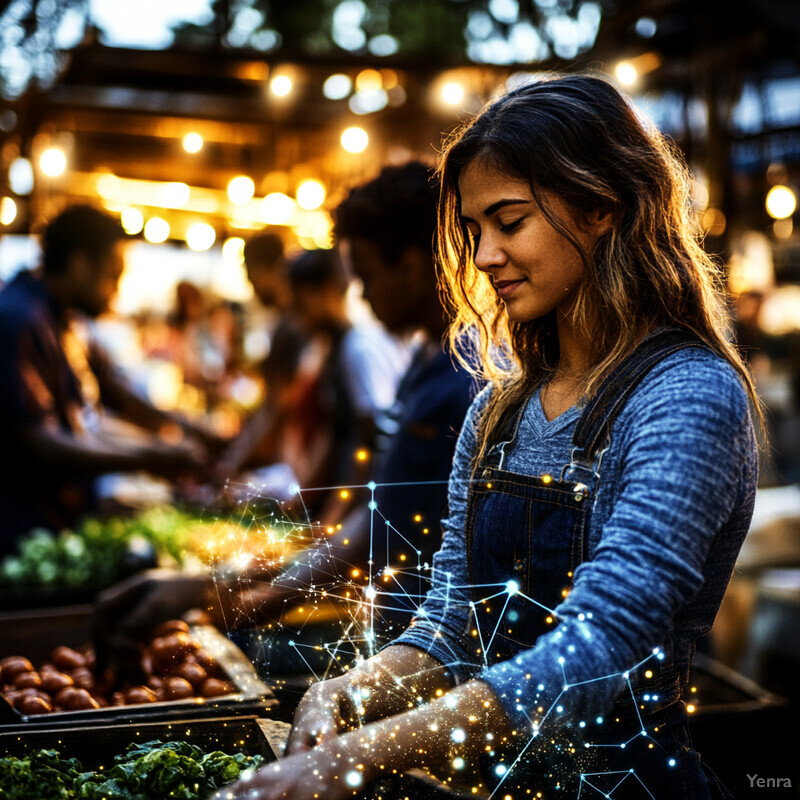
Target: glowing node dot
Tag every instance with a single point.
(512, 587)
(458, 735)
(353, 778)
(500, 769)
(672, 762)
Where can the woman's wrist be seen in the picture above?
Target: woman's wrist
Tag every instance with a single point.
(369, 753)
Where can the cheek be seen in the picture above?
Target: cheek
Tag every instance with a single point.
(109, 289)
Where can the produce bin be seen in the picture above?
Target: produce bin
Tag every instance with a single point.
(96, 745)
(34, 634)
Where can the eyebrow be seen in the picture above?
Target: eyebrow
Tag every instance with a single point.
(496, 206)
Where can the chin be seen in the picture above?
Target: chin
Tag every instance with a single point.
(519, 315)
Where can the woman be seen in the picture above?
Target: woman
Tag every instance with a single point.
(601, 489)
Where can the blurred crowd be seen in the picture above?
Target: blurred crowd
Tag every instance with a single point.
(349, 380)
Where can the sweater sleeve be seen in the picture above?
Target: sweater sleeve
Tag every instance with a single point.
(441, 627)
(685, 451)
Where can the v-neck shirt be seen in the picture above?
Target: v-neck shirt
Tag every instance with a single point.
(542, 445)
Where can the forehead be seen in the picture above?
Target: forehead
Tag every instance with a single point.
(481, 183)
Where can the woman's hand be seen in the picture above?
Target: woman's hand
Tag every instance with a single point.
(389, 683)
(343, 766)
(326, 710)
(324, 773)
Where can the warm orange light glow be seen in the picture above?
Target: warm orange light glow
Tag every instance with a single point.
(281, 85)
(193, 142)
(8, 211)
(53, 162)
(354, 139)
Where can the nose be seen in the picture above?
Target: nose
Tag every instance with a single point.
(489, 254)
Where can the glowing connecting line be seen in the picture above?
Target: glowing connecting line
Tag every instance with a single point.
(368, 605)
(372, 603)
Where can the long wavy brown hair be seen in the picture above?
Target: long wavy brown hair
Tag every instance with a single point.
(579, 137)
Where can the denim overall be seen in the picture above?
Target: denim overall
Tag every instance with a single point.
(533, 531)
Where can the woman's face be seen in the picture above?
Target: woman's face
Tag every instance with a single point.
(534, 269)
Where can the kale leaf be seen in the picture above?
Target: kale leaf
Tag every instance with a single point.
(153, 770)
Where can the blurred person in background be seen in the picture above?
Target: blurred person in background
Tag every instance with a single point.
(57, 384)
(348, 377)
(185, 325)
(258, 442)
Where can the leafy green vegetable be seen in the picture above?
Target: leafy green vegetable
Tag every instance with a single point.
(42, 775)
(151, 771)
(99, 551)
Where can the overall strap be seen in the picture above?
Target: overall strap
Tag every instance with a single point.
(496, 454)
(592, 430)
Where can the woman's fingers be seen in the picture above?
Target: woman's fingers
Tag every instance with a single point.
(320, 716)
(306, 776)
(316, 725)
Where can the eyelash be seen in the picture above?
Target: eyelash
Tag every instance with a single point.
(509, 227)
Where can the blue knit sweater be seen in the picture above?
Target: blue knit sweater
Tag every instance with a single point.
(672, 508)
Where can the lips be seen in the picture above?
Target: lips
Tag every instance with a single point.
(506, 288)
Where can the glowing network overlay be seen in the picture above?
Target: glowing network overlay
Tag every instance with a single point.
(365, 606)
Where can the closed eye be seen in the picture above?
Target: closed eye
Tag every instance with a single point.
(511, 226)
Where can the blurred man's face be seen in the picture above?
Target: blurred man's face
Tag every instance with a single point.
(270, 284)
(96, 282)
(398, 301)
(319, 308)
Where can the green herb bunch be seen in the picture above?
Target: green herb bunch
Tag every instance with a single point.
(154, 770)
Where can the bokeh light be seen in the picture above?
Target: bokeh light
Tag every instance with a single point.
(241, 189)
(200, 236)
(354, 139)
(781, 202)
(193, 142)
(53, 162)
(281, 85)
(310, 194)
(156, 230)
